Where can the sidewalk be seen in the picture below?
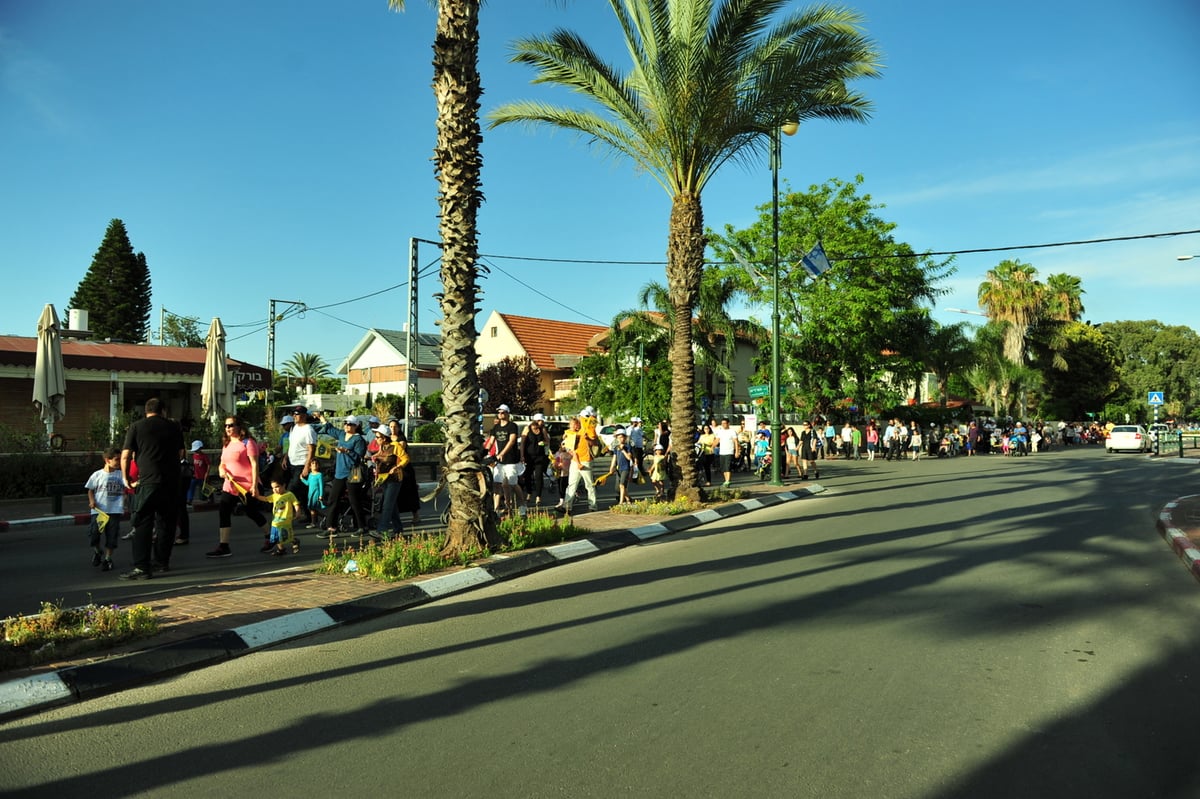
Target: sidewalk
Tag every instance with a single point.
(208, 623)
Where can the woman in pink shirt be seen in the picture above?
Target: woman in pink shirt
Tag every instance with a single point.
(239, 467)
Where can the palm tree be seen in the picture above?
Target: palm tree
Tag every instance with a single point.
(1012, 296)
(710, 81)
(946, 351)
(1064, 297)
(458, 164)
(306, 368)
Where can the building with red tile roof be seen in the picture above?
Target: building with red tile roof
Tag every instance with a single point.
(553, 346)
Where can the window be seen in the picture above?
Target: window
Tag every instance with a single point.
(494, 331)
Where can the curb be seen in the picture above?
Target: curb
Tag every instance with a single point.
(1176, 538)
(78, 683)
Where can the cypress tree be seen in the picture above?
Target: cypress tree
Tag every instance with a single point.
(116, 289)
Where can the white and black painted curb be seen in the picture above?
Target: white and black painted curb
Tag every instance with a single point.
(78, 683)
(1176, 538)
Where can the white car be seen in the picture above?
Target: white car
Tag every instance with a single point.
(608, 431)
(1128, 437)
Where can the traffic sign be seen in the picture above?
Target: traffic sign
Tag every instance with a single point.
(759, 391)
(1152, 398)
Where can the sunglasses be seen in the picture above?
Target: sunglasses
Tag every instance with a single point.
(230, 425)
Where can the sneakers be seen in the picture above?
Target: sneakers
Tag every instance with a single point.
(327, 534)
(295, 547)
(96, 558)
(106, 565)
(181, 542)
(135, 574)
(222, 551)
(127, 536)
(725, 485)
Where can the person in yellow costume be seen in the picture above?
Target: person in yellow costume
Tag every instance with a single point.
(581, 445)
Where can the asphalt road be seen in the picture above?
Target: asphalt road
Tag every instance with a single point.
(988, 627)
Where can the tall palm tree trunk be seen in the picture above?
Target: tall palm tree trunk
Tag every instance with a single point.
(685, 261)
(458, 164)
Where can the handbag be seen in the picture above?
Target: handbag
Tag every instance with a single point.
(356, 474)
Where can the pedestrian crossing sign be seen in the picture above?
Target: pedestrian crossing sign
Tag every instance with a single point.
(1154, 398)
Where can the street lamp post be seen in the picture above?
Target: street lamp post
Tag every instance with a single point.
(790, 129)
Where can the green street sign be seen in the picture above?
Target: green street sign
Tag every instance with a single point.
(759, 392)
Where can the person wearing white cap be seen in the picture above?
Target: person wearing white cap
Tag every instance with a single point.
(637, 440)
(299, 460)
(200, 466)
(535, 454)
(508, 468)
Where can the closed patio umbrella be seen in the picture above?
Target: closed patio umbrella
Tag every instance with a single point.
(216, 391)
(49, 377)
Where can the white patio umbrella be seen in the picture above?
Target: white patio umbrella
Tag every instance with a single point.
(216, 392)
(49, 377)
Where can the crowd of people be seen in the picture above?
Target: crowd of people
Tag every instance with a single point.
(360, 480)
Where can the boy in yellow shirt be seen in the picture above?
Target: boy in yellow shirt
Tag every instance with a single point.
(284, 508)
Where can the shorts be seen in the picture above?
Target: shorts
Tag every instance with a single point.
(507, 473)
(724, 462)
(111, 532)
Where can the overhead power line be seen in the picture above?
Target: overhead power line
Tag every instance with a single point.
(858, 257)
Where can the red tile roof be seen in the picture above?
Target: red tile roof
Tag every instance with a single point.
(542, 339)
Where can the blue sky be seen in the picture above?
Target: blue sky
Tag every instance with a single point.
(280, 149)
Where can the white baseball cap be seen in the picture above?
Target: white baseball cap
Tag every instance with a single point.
(504, 408)
(350, 420)
(537, 417)
(197, 445)
(287, 420)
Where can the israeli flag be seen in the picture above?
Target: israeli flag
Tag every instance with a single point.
(815, 263)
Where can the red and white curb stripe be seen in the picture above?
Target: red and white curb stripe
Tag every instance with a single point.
(1177, 539)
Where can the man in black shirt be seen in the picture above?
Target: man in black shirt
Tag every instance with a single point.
(155, 444)
(507, 470)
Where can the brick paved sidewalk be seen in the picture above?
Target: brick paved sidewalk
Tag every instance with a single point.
(211, 608)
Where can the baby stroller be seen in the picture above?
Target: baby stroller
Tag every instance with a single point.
(764, 469)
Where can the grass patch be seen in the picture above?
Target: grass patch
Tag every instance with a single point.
(391, 561)
(537, 529)
(405, 558)
(58, 632)
(674, 507)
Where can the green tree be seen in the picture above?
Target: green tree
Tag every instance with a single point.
(305, 368)
(633, 377)
(1092, 379)
(1064, 297)
(1152, 356)
(515, 382)
(855, 332)
(946, 350)
(716, 331)
(182, 331)
(1012, 296)
(710, 81)
(116, 289)
(458, 165)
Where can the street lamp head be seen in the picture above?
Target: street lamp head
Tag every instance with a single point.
(1186, 257)
(790, 128)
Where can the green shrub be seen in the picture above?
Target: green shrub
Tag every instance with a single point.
(537, 529)
(29, 640)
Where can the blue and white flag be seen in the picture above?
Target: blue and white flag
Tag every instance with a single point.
(815, 263)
